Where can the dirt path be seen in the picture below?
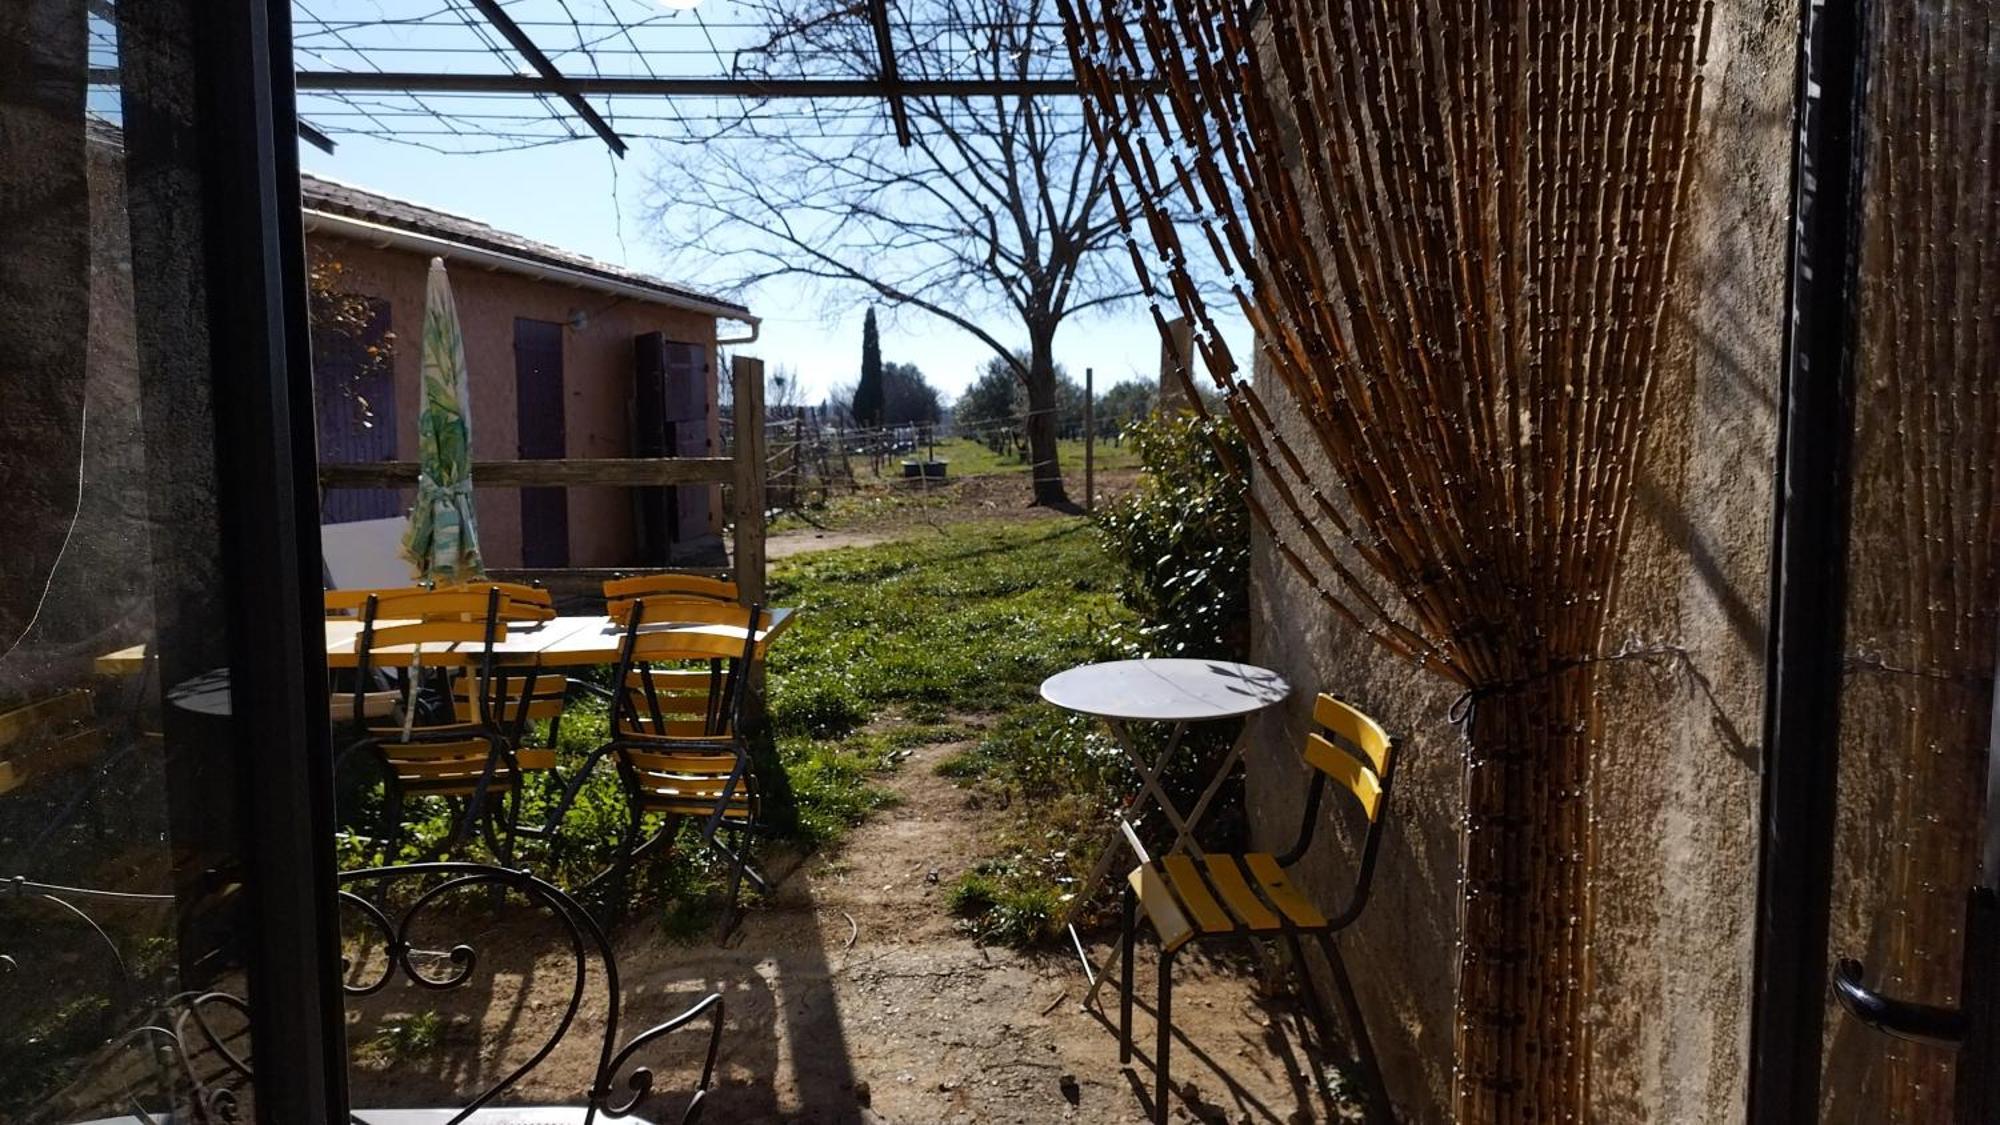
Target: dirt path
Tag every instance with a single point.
(853, 998)
(804, 541)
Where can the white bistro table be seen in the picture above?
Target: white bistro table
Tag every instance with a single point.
(1174, 691)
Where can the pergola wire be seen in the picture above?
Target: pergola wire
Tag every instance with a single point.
(598, 41)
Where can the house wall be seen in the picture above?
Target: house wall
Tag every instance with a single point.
(597, 377)
(1676, 798)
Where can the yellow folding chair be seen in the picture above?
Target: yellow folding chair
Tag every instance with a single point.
(676, 736)
(469, 760)
(1252, 895)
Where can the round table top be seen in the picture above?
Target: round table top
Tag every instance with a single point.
(1166, 690)
(206, 694)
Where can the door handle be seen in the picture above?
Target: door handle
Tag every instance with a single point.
(1903, 1019)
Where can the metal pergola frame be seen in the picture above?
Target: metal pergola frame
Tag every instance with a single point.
(890, 86)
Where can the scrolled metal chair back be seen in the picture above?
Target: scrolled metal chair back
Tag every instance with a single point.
(364, 894)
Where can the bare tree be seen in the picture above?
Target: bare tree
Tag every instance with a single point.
(996, 218)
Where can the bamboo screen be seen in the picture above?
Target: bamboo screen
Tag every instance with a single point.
(1924, 564)
(1452, 227)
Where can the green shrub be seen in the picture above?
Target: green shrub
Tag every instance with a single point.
(1183, 538)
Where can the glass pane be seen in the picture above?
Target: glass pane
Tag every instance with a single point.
(1923, 570)
(118, 782)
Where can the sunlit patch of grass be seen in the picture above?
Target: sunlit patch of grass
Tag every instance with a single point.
(968, 621)
(1000, 903)
(411, 1036)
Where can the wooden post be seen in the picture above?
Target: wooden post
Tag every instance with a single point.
(1089, 440)
(798, 459)
(747, 374)
(780, 808)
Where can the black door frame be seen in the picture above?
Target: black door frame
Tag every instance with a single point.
(1802, 686)
(268, 502)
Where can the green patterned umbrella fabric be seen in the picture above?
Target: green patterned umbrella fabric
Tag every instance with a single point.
(443, 540)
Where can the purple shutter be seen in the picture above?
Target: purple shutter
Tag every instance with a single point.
(538, 391)
(356, 407)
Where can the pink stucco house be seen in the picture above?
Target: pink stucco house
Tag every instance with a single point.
(569, 357)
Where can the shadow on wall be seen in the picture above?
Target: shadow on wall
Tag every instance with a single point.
(1403, 951)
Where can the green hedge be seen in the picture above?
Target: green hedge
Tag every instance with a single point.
(1183, 538)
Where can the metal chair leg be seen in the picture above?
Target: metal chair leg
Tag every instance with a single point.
(501, 836)
(1162, 1082)
(1127, 932)
(628, 850)
(736, 871)
(392, 822)
(1321, 1026)
(1380, 1111)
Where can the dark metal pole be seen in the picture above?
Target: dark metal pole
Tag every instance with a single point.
(1808, 574)
(544, 66)
(892, 77)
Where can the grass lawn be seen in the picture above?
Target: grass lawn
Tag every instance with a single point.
(933, 639)
(946, 638)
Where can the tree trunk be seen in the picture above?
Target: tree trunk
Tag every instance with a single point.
(1043, 463)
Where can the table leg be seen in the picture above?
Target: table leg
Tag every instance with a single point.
(1150, 786)
(1208, 796)
(1152, 783)
(1109, 852)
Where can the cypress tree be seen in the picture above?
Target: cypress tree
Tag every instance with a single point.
(868, 396)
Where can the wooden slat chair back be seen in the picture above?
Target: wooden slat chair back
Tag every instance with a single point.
(685, 682)
(1186, 898)
(521, 602)
(671, 586)
(47, 737)
(349, 603)
(470, 760)
(510, 701)
(676, 738)
(1353, 751)
(677, 610)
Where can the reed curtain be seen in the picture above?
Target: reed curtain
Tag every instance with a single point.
(1452, 228)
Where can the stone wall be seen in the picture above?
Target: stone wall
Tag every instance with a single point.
(1675, 795)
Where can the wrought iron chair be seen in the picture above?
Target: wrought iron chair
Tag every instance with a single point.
(1252, 895)
(188, 1058)
(464, 760)
(676, 732)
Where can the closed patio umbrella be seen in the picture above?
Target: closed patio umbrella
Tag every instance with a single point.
(443, 540)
